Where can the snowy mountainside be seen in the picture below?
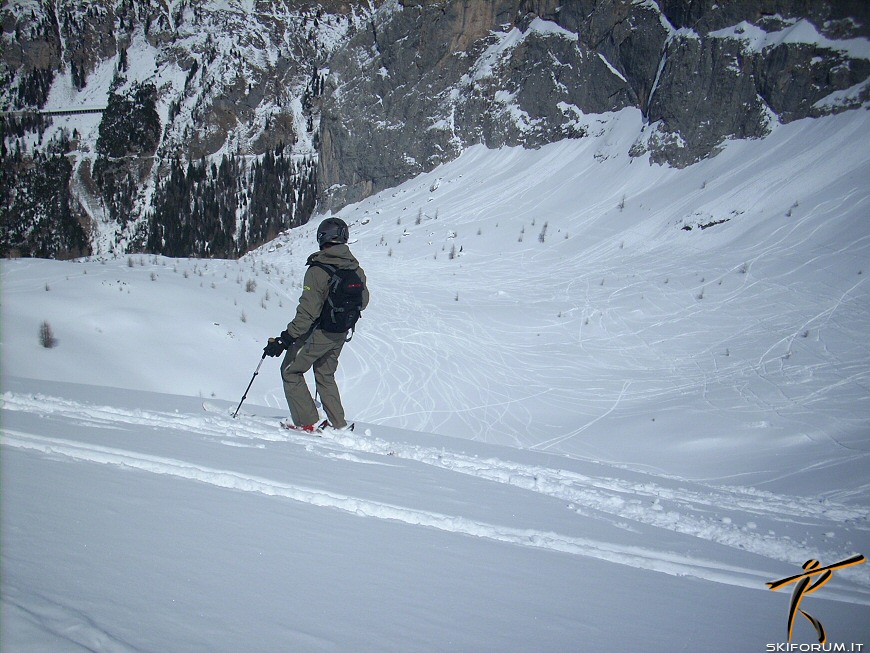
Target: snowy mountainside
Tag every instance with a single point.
(430, 79)
(735, 286)
(204, 128)
(586, 387)
(716, 287)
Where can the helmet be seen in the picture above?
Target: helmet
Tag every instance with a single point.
(333, 231)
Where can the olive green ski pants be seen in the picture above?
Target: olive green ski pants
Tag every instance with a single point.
(320, 350)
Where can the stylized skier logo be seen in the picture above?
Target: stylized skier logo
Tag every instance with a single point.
(803, 587)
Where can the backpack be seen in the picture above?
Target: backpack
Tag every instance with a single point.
(343, 304)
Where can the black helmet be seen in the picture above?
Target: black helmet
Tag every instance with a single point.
(333, 231)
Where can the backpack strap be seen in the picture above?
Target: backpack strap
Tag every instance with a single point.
(323, 266)
(330, 269)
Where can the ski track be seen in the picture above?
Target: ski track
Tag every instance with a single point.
(661, 352)
(69, 624)
(687, 507)
(626, 306)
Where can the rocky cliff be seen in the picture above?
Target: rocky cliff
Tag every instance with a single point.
(220, 124)
(204, 140)
(427, 79)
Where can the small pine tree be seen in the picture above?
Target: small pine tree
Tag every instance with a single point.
(46, 336)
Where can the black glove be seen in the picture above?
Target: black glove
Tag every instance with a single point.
(278, 345)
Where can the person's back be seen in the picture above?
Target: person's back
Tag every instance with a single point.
(307, 345)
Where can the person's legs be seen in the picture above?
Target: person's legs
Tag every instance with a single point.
(296, 362)
(321, 350)
(327, 388)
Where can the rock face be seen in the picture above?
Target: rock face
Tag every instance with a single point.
(228, 121)
(208, 138)
(427, 79)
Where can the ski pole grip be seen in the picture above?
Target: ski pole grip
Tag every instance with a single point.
(271, 340)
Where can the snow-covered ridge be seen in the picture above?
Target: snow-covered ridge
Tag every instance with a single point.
(799, 31)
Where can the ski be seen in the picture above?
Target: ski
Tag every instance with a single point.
(228, 411)
(314, 430)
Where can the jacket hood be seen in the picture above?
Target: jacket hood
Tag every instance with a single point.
(339, 256)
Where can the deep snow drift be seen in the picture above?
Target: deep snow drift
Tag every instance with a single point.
(599, 404)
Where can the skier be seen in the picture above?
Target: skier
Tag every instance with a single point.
(317, 334)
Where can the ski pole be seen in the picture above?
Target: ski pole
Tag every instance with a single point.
(245, 396)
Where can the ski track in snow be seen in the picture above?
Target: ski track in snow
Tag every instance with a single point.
(672, 332)
(687, 507)
(65, 621)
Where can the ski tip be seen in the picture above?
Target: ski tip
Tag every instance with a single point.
(345, 429)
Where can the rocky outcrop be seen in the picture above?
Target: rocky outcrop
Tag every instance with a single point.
(429, 79)
(194, 93)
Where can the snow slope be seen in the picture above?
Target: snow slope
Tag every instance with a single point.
(599, 404)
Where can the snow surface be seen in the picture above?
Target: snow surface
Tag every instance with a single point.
(599, 404)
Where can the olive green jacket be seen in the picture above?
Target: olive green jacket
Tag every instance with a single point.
(315, 287)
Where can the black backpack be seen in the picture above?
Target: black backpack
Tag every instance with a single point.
(343, 304)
